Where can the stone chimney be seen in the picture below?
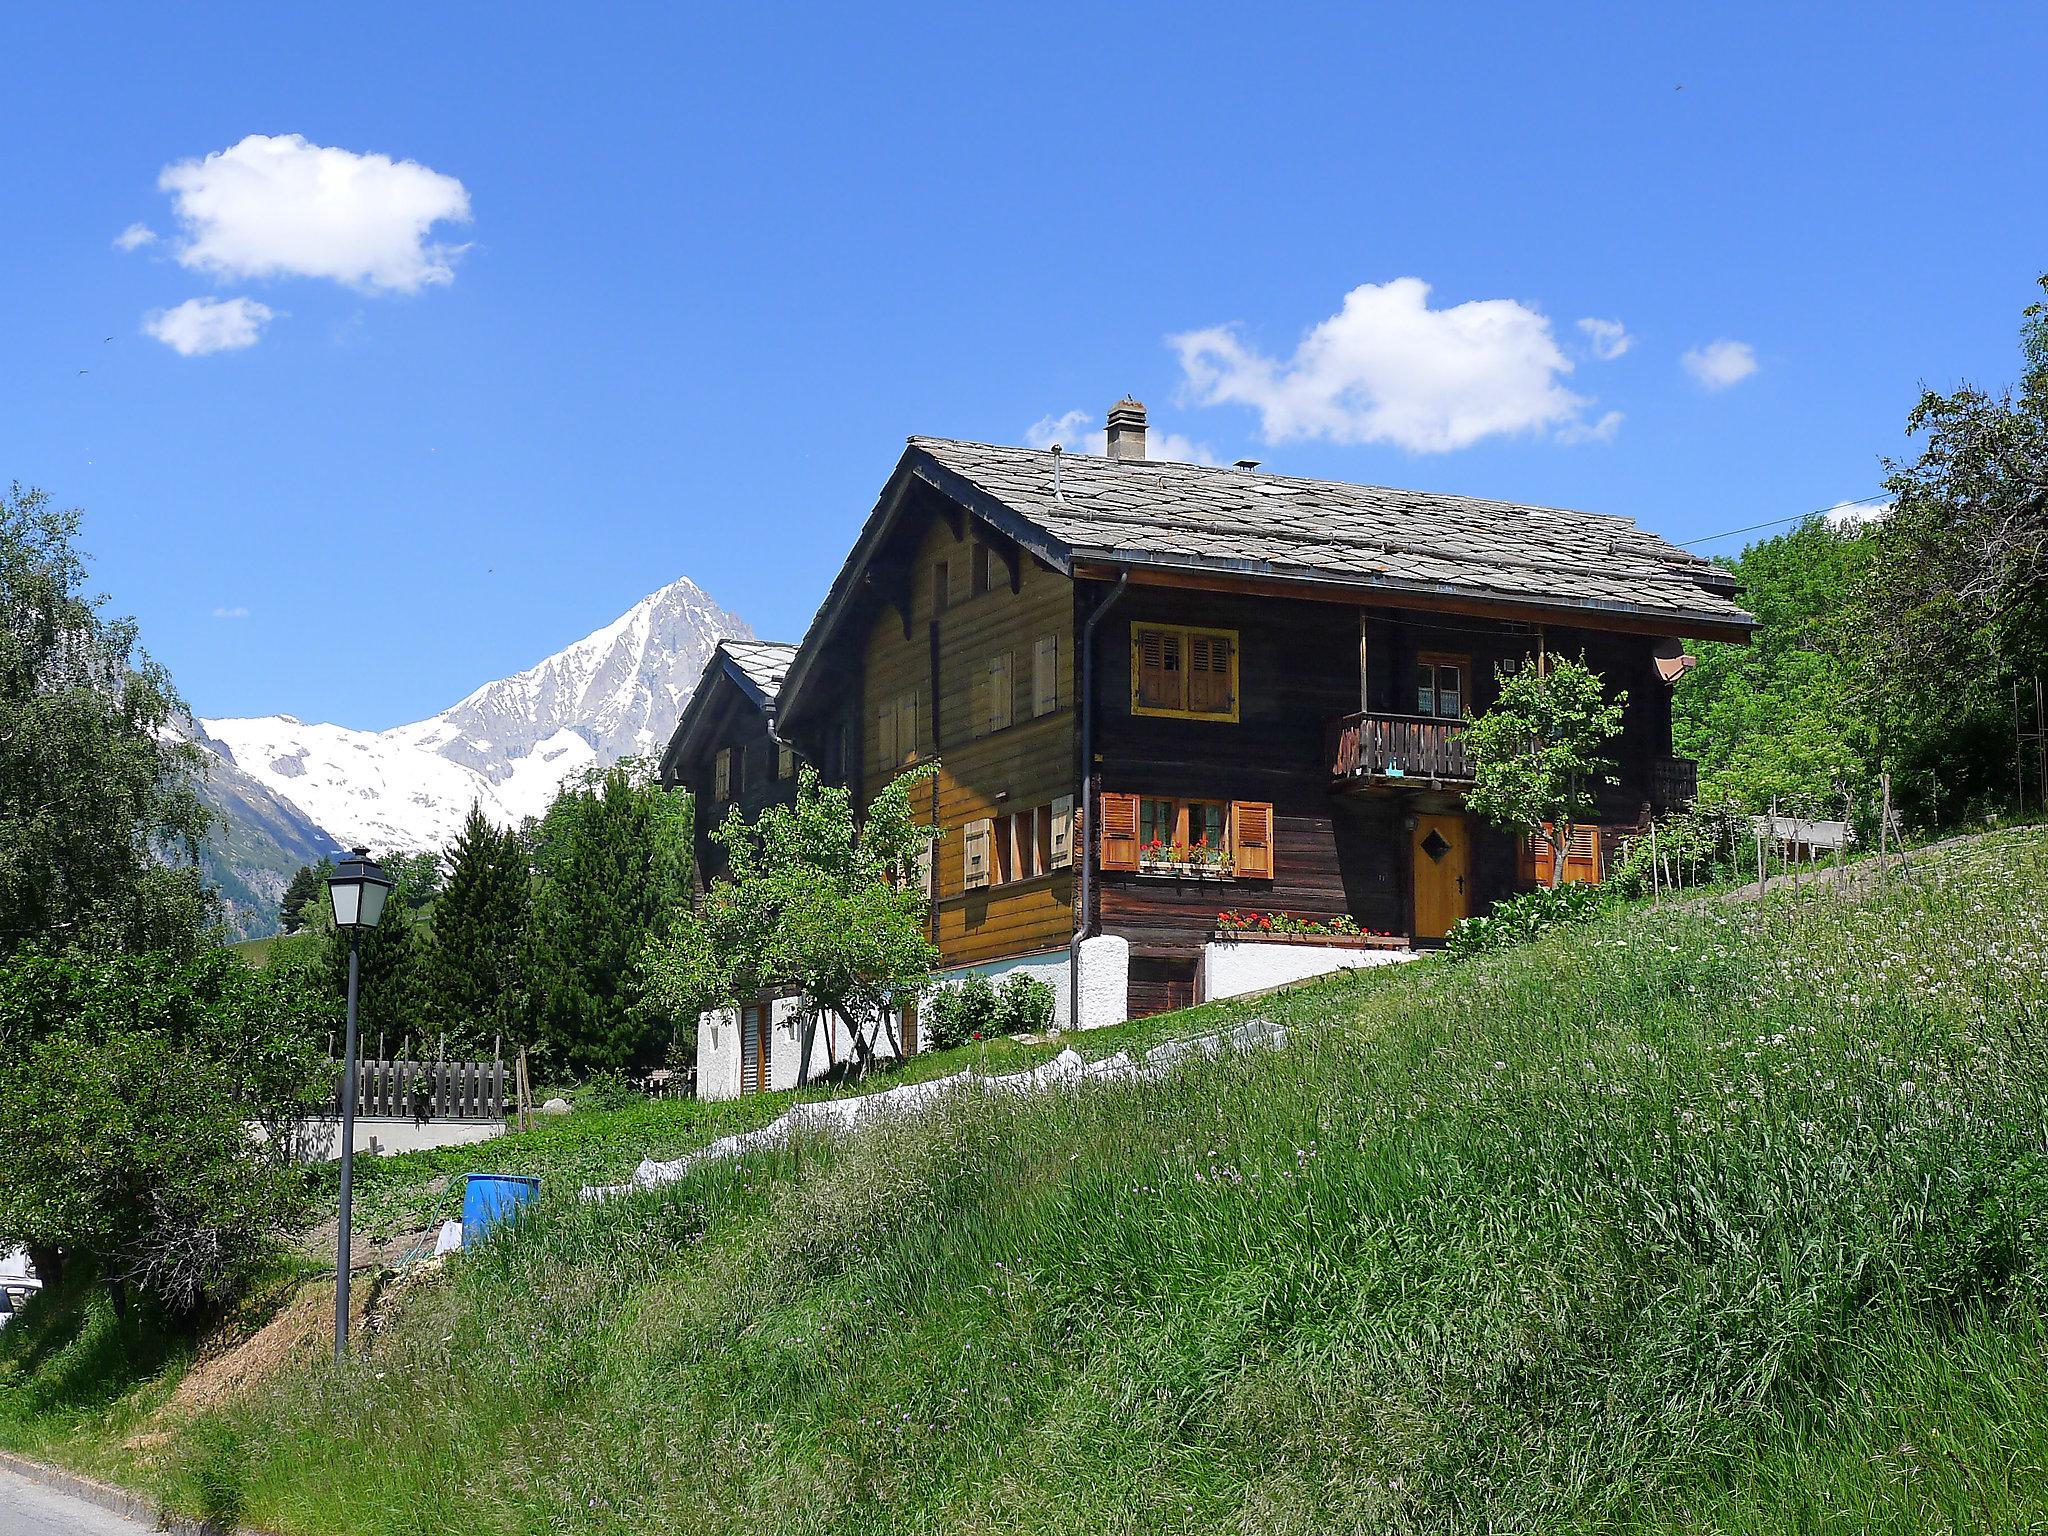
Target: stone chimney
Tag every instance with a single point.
(1127, 429)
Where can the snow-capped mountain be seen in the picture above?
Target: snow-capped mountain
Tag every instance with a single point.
(615, 693)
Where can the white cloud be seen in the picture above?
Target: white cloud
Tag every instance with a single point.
(1850, 515)
(134, 238)
(199, 326)
(1720, 363)
(283, 207)
(236, 612)
(1077, 432)
(1601, 431)
(1387, 368)
(1608, 338)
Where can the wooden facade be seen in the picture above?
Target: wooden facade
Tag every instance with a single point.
(1282, 746)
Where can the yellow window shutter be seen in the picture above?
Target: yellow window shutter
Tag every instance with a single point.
(1251, 826)
(975, 845)
(1000, 693)
(1119, 832)
(1045, 675)
(1063, 832)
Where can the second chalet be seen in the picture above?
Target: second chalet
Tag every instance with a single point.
(1161, 692)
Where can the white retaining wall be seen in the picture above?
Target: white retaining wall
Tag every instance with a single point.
(1231, 968)
(718, 1048)
(1105, 980)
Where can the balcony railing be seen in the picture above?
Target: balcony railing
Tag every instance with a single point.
(1400, 748)
(1674, 783)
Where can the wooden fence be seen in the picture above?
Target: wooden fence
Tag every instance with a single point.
(446, 1090)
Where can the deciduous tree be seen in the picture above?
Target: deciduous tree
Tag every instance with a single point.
(816, 901)
(1536, 754)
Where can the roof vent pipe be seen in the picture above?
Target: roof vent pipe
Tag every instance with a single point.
(1057, 455)
(1127, 429)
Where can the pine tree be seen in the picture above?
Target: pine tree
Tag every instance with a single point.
(309, 884)
(393, 1001)
(613, 854)
(475, 974)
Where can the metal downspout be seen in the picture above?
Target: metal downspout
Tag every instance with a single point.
(1086, 893)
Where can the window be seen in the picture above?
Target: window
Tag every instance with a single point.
(721, 776)
(987, 571)
(1188, 673)
(1045, 675)
(1440, 685)
(942, 587)
(999, 696)
(1159, 834)
(1019, 845)
(896, 739)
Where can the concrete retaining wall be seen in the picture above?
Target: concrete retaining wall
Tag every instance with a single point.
(1231, 968)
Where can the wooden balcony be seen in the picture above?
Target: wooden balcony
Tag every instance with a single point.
(1399, 750)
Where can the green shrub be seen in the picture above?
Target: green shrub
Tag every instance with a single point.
(606, 1091)
(1023, 1005)
(958, 1014)
(1521, 918)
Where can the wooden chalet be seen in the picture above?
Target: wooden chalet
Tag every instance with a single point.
(1250, 686)
(724, 750)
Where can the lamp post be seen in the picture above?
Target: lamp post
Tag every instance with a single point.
(357, 888)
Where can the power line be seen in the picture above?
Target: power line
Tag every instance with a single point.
(1778, 523)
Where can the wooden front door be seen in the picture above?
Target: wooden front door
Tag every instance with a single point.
(1442, 856)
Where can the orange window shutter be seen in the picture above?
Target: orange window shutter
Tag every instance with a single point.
(1119, 832)
(1251, 823)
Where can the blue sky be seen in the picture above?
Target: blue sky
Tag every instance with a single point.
(715, 268)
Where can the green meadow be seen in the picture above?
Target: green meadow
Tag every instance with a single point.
(1729, 1217)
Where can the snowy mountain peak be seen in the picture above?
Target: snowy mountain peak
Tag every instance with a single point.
(615, 693)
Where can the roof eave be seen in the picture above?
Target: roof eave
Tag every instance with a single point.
(1690, 622)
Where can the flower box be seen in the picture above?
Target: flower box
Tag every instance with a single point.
(1180, 869)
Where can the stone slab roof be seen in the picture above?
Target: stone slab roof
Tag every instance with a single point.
(765, 662)
(1149, 512)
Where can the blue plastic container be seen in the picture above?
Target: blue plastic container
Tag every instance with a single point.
(489, 1198)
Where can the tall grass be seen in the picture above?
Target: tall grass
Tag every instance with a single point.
(1721, 1218)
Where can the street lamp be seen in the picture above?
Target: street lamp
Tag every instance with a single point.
(358, 889)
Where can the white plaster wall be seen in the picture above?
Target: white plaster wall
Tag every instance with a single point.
(1049, 967)
(718, 1054)
(1231, 969)
(383, 1135)
(1105, 981)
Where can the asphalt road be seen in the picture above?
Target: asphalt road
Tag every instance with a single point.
(28, 1509)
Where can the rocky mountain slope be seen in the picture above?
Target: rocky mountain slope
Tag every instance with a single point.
(284, 785)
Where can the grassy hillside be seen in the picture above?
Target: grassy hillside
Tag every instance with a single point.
(1732, 1218)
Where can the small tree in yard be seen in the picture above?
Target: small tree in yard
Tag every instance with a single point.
(149, 1112)
(1536, 753)
(815, 902)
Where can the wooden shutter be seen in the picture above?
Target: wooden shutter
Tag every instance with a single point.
(1001, 695)
(1209, 670)
(1156, 665)
(926, 871)
(1063, 832)
(885, 734)
(1581, 860)
(722, 775)
(974, 853)
(1045, 675)
(906, 727)
(1119, 832)
(1251, 829)
(785, 761)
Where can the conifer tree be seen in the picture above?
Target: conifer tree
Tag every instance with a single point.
(613, 856)
(476, 966)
